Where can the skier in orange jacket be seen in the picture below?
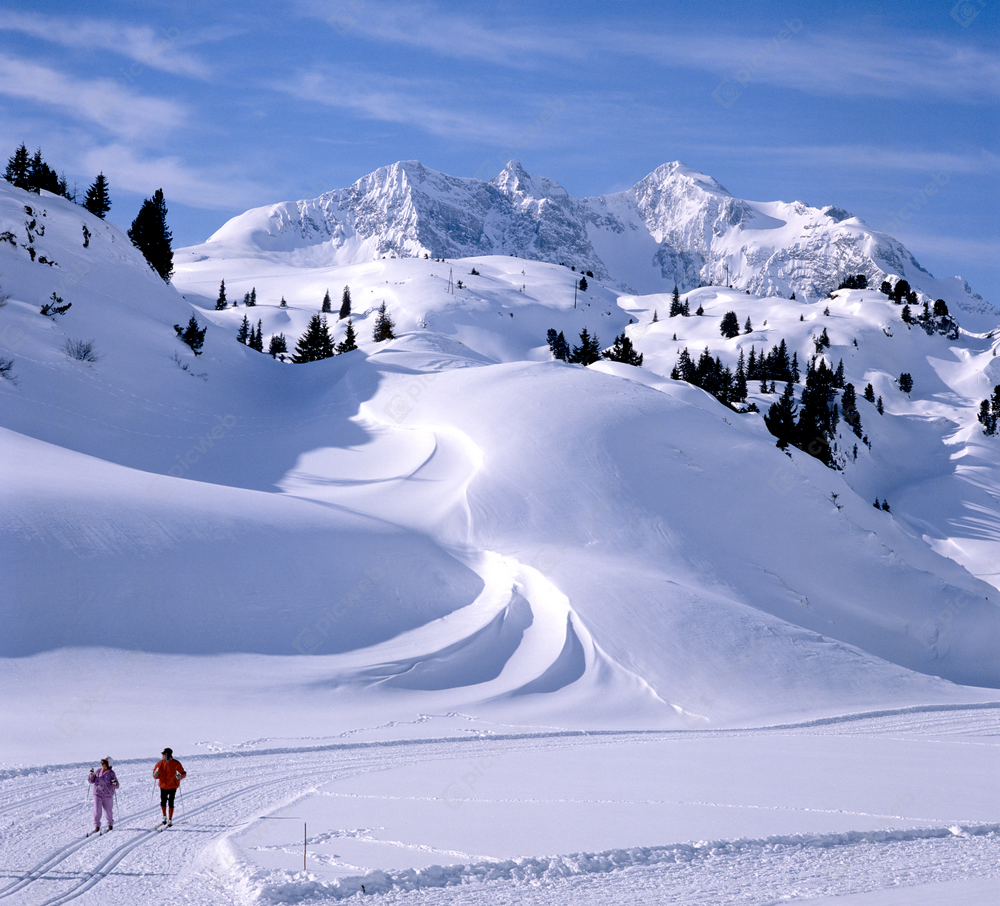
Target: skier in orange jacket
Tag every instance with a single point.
(169, 772)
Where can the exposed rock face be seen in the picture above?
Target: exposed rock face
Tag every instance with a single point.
(675, 226)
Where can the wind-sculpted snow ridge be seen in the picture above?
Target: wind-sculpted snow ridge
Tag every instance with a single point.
(675, 226)
(720, 872)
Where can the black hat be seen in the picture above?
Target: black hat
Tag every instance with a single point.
(168, 752)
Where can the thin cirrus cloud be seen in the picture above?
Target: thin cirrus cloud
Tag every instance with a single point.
(401, 101)
(216, 189)
(447, 33)
(874, 157)
(149, 47)
(105, 102)
(795, 54)
(832, 64)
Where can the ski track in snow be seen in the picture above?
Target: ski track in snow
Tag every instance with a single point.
(47, 861)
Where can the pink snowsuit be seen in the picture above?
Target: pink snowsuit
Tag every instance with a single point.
(105, 783)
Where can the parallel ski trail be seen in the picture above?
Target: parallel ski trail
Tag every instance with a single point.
(233, 789)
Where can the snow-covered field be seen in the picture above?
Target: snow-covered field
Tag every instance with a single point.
(890, 808)
(466, 625)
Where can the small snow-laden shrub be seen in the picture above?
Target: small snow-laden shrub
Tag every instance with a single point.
(81, 350)
(5, 370)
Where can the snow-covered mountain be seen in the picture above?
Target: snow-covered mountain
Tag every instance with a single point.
(676, 226)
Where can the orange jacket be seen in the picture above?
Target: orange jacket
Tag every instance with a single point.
(169, 773)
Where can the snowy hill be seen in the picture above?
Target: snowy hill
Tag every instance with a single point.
(576, 524)
(462, 607)
(675, 226)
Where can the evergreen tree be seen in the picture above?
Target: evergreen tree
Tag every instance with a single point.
(243, 334)
(686, 309)
(730, 325)
(252, 301)
(315, 343)
(149, 234)
(796, 374)
(350, 341)
(97, 201)
(623, 351)
(818, 415)
(18, 168)
(880, 407)
(778, 366)
(656, 316)
(906, 382)
(687, 370)
(326, 307)
(589, 350)
(752, 373)
(986, 418)
(675, 304)
(906, 315)
(42, 176)
(560, 347)
(838, 376)
(257, 338)
(700, 310)
(277, 345)
(740, 379)
(870, 393)
(748, 327)
(384, 326)
(583, 284)
(780, 417)
(989, 411)
(220, 303)
(192, 334)
(345, 304)
(849, 407)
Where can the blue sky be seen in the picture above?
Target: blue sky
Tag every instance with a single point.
(887, 109)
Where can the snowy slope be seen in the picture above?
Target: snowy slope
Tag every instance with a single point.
(303, 574)
(506, 525)
(674, 226)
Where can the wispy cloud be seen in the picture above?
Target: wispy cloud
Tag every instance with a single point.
(859, 64)
(445, 32)
(839, 63)
(217, 189)
(873, 157)
(955, 248)
(146, 46)
(436, 107)
(103, 101)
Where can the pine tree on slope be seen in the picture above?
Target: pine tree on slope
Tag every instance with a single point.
(149, 234)
(384, 326)
(98, 201)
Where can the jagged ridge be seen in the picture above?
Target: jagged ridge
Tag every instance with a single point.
(674, 226)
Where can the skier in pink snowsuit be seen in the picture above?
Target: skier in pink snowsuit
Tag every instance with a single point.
(105, 783)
